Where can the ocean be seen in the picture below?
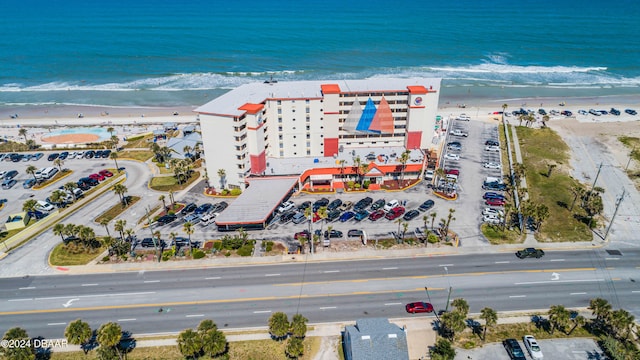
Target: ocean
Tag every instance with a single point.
(155, 53)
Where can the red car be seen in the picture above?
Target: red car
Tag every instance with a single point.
(106, 173)
(376, 215)
(419, 307)
(97, 177)
(316, 217)
(455, 172)
(494, 202)
(395, 213)
(300, 234)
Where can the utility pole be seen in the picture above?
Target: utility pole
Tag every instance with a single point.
(596, 179)
(618, 202)
(630, 158)
(153, 238)
(449, 295)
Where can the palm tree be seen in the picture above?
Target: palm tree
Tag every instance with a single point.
(452, 322)
(29, 205)
(550, 168)
(433, 218)
(78, 332)
(299, 326)
(164, 204)
(58, 229)
(504, 109)
(490, 318)
(71, 229)
(187, 150)
(17, 352)
(279, 326)
(57, 197)
(119, 227)
(223, 178)
(31, 144)
(600, 308)
(294, 348)
(105, 222)
(23, 132)
(461, 306)
(579, 320)
(70, 187)
(114, 141)
(189, 343)
(31, 170)
(58, 162)
(110, 130)
(622, 322)
(559, 317)
(404, 157)
(171, 198)
(120, 190)
(109, 336)
(448, 221)
(114, 157)
(173, 235)
(206, 325)
(188, 229)
(86, 235)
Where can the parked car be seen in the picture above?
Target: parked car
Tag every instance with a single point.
(332, 234)
(28, 184)
(594, 112)
(355, 233)
(419, 307)
(305, 205)
(189, 208)
(219, 207)
(11, 174)
(320, 203)
(37, 156)
(287, 216)
(614, 111)
(347, 215)
(106, 173)
(630, 111)
(376, 215)
(491, 219)
(192, 218)
(492, 148)
(346, 205)
(513, 349)
(495, 202)
(52, 156)
(532, 347)
(165, 219)
(410, 215)
(395, 213)
(302, 234)
(98, 154)
(363, 203)
(426, 205)
(204, 208)
(333, 215)
(429, 174)
(492, 195)
(494, 186)
(44, 206)
(492, 211)
(89, 154)
(378, 204)
(97, 177)
(361, 215)
(299, 218)
(63, 155)
(8, 184)
(530, 252)
(286, 206)
(335, 204)
(463, 117)
(450, 156)
(566, 113)
(492, 165)
(390, 205)
(106, 153)
(492, 142)
(458, 132)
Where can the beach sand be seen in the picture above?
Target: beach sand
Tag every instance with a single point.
(70, 138)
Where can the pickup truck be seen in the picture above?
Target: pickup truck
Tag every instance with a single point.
(457, 132)
(530, 252)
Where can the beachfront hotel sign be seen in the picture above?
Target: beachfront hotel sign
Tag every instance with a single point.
(418, 100)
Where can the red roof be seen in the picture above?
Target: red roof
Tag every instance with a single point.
(417, 89)
(251, 108)
(330, 88)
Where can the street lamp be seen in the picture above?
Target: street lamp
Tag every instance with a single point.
(446, 270)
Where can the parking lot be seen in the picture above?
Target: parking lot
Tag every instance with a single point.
(554, 349)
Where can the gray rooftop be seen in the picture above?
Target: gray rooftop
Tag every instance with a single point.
(377, 339)
(256, 93)
(257, 201)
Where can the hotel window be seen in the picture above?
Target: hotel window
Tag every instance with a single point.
(280, 128)
(308, 136)
(293, 110)
(308, 127)
(308, 118)
(308, 152)
(281, 146)
(279, 111)
(280, 137)
(306, 101)
(308, 110)
(281, 153)
(279, 102)
(308, 143)
(279, 119)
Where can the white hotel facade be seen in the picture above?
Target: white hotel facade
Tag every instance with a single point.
(244, 128)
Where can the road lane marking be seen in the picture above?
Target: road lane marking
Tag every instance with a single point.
(96, 295)
(442, 265)
(578, 293)
(635, 291)
(19, 299)
(195, 315)
(556, 260)
(27, 288)
(123, 320)
(517, 296)
(615, 259)
(151, 281)
(389, 304)
(262, 311)
(327, 307)
(390, 268)
(502, 262)
(331, 271)
(271, 274)
(556, 281)
(89, 285)
(56, 324)
(213, 278)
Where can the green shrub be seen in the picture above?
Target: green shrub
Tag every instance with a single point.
(227, 254)
(366, 184)
(269, 246)
(217, 245)
(106, 258)
(235, 192)
(224, 192)
(350, 184)
(168, 254)
(432, 238)
(245, 250)
(198, 254)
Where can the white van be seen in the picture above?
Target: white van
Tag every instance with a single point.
(46, 173)
(207, 219)
(391, 204)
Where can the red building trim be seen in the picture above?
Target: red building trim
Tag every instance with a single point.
(330, 146)
(258, 163)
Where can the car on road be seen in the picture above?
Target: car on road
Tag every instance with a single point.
(395, 213)
(495, 202)
(449, 156)
(463, 117)
(492, 195)
(419, 307)
(347, 215)
(376, 215)
(492, 148)
(363, 204)
(332, 234)
(532, 347)
(491, 211)
(192, 218)
(52, 156)
(410, 215)
(513, 349)
(630, 111)
(345, 206)
(530, 252)
(458, 132)
(378, 204)
(426, 205)
(492, 165)
(204, 208)
(165, 219)
(190, 207)
(286, 206)
(361, 215)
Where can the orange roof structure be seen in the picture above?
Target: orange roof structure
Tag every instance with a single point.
(251, 108)
(417, 89)
(330, 89)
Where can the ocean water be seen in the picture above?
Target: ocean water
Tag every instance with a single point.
(176, 53)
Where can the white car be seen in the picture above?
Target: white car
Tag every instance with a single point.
(491, 219)
(457, 132)
(463, 117)
(286, 206)
(450, 156)
(532, 347)
(492, 212)
(44, 206)
(492, 148)
(72, 155)
(492, 165)
(429, 174)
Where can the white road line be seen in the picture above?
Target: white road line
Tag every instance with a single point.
(19, 299)
(262, 311)
(123, 320)
(271, 274)
(56, 324)
(556, 260)
(96, 295)
(213, 278)
(89, 285)
(441, 265)
(327, 307)
(195, 315)
(612, 258)
(517, 296)
(151, 281)
(390, 268)
(389, 304)
(579, 293)
(556, 281)
(502, 262)
(27, 288)
(633, 291)
(331, 271)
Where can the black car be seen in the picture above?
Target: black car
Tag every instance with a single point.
(189, 208)
(304, 205)
(147, 242)
(492, 143)
(219, 207)
(513, 349)
(334, 204)
(88, 181)
(52, 156)
(286, 217)
(16, 157)
(83, 186)
(426, 205)
(333, 215)
(165, 219)
(363, 204)
(89, 154)
(98, 154)
(180, 241)
(614, 111)
(63, 155)
(332, 234)
(204, 208)
(320, 203)
(630, 111)
(411, 215)
(494, 186)
(11, 174)
(542, 112)
(530, 252)
(378, 204)
(566, 113)
(106, 153)
(355, 233)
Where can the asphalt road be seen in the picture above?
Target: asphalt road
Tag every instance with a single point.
(328, 291)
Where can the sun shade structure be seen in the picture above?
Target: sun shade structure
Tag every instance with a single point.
(383, 119)
(352, 119)
(367, 116)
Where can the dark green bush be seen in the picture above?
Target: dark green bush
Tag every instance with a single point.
(245, 250)
(198, 254)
